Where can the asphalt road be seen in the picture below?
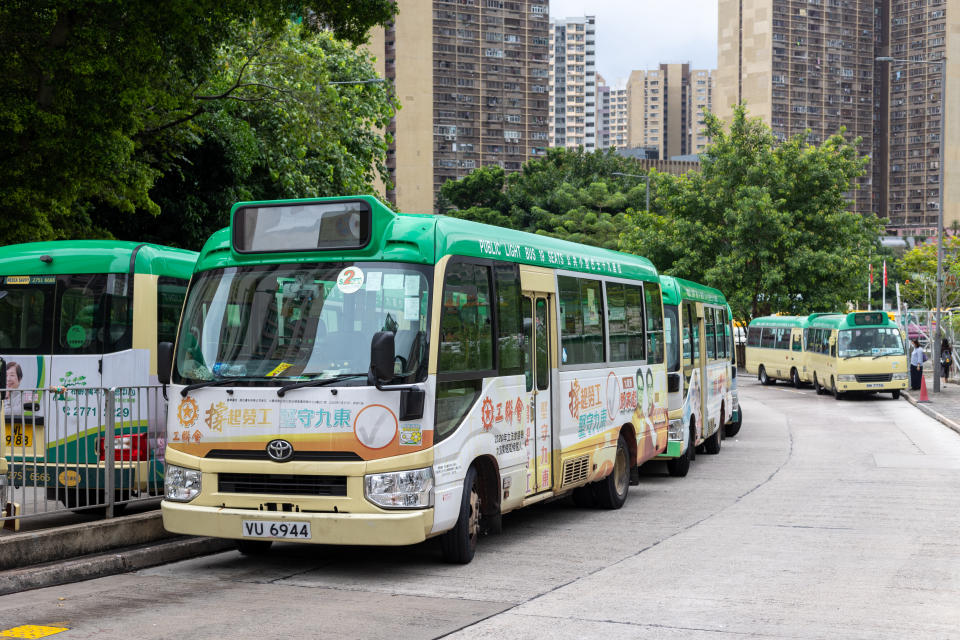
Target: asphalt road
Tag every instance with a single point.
(820, 519)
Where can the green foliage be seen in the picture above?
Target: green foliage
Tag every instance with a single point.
(919, 270)
(569, 194)
(765, 223)
(101, 98)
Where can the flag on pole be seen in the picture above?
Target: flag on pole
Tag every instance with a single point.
(884, 273)
(871, 273)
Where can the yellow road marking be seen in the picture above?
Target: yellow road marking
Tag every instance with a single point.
(31, 631)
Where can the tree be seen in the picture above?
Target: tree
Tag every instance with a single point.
(919, 269)
(765, 223)
(99, 97)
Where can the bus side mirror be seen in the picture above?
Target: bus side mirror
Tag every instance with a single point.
(382, 356)
(164, 361)
(673, 382)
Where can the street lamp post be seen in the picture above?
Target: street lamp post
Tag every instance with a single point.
(943, 141)
(646, 180)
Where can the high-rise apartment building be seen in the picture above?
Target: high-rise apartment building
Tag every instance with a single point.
(907, 170)
(665, 109)
(619, 118)
(603, 114)
(473, 79)
(573, 83)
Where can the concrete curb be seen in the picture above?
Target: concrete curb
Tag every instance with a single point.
(70, 541)
(936, 415)
(98, 566)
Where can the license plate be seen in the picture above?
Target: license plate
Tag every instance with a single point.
(875, 385)
(275, 529)
(23, 439)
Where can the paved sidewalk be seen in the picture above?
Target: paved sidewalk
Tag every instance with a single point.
(943, 406)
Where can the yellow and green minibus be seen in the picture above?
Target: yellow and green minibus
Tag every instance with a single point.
(345, 374)
(76, 318)
(774, 349)
(862, 351)
(701, 388)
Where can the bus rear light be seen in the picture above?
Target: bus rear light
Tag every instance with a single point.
(129, 447)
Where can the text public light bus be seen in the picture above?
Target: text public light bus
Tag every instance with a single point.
(348, 375)
(76, 318)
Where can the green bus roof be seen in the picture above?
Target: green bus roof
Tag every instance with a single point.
(850, 320)
(780, 321)
(94, 256)
(426, 238)
(677, 289)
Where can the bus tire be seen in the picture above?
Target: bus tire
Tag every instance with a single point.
(817, 386)
(679, 467)
(836, 394)
(460, 543)
(733, 428)
(764, 378)
(896, 394)
(254, 547)
(795, 378)
(712, 444)
(611, 492)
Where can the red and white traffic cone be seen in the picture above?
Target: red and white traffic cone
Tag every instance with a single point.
(923, 390)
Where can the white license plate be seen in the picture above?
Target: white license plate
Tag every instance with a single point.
(876, 385)
(276, 529)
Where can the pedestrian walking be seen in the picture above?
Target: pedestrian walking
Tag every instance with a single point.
(917, 356)
(946, 358)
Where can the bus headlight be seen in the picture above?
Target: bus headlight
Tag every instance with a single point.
(181, 485)
(400, 489)
(675, 431)
(846, 377)
(900, 376)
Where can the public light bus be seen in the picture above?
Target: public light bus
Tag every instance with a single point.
(859, 351)
(345, 374)
(700, 373)
(78, 317)
(836, 352)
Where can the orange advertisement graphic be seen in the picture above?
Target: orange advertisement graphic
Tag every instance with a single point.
(187, 412)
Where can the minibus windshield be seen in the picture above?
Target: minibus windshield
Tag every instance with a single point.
(872, 341)
(302, 321)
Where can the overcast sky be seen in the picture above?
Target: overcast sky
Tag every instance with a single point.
(640, 34)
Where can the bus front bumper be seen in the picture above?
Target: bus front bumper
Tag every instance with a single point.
(844, 386)
(386, 529)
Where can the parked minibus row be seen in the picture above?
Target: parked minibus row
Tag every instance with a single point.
(345, 374)
(838, 353)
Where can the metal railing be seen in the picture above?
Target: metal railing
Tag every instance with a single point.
(90, 449)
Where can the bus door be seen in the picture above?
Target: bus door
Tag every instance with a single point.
(537, 325)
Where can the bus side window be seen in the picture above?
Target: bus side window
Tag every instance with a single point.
(709, 332)
(694, 334)
(654, 308)
(753, 336)
(509, 319)
(797, 345)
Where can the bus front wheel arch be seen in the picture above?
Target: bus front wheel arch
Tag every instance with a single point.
(763, 377)
(460, 543)
(795, 377)
(611, 492)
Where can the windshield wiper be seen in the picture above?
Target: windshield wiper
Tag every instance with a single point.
(209, 383)
(318, 382)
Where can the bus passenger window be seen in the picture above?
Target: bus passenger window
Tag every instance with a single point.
(509, 319)
(753, 336)
(709, 332)
(466, 334)
(581, 320)
(654, 308)
(783, 338)
(625, 313)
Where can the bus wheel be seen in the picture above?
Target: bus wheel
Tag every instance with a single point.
(896, 394)
(712, 444)
(795, 378)
(611, 492)
(764, 378)
(254, 547)
(836, 394)
(817, 386)
(733, 428)
(460, 543)
(678, 467)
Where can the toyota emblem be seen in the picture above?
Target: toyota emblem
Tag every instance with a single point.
(279, 450)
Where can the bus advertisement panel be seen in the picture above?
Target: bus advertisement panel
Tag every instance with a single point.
(348, 375)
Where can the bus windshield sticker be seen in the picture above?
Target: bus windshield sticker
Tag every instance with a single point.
(411, 285)
(374, 278)
(411, 308)
(280, 368)
(76, 336)
(350, 279)
(393, 281)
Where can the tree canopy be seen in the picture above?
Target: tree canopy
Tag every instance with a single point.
(102, 98)
(918, 266)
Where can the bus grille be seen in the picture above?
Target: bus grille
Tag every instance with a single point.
(576, 469)
(875, 377)
(298, 456)
(282, 484)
